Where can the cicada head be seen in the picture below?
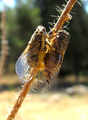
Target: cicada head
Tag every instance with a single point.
(38, 35)
(40, 30)
(62, 39)
(63, 35)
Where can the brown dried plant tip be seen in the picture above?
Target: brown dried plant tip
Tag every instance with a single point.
(65, 15)
(4, 42)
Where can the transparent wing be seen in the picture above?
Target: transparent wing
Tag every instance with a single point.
(41, 85)
(38, 83)
(52, 80)
(52, 64)
(22, 67)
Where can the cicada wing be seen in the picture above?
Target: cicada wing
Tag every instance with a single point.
(52, 80)
(39, 82)
(22, 67)
(41, 85)
(52, 65)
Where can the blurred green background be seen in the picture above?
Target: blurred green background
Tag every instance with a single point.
(25, 16)
(22, 18)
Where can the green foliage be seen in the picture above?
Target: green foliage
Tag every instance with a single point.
(78, 46)
(48, 8)
(21, 23)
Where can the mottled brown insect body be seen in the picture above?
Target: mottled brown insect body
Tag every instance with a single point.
(33, 55)
(37, 47)
(54, 58)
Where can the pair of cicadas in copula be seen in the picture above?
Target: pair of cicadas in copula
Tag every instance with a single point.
(43, 57)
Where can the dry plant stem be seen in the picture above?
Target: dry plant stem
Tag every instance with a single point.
(21, 97)
(3, 41)
(63, 18)
(65, 15)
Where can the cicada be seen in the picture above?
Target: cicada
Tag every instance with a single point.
(44, 54)
(33, 56)
(54, 57)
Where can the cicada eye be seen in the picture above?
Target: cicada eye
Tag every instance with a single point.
(63, 35)
(44, 30)
(36, 31)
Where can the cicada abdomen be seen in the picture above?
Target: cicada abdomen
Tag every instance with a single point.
(54, 57)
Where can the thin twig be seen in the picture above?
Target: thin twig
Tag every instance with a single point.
(65, 15)
(63, 18)
(21, 96)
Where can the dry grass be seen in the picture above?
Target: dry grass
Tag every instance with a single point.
(9, 79)
(53, 106)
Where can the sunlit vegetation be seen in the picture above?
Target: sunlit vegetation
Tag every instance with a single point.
(22, 20)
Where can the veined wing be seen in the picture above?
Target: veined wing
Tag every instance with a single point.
(39, 82)
(41, 85)
(22, 67)
(31, 59)
(51, 73)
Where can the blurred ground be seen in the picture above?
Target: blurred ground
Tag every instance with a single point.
(50, 105)
(53, 106)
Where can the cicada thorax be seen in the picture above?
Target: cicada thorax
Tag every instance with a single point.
(37, 47)
(62, 40)
(54, 57)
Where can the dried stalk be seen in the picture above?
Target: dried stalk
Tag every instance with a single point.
(63, 18)
(4, 42)
(21, 96)
(65, 15)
